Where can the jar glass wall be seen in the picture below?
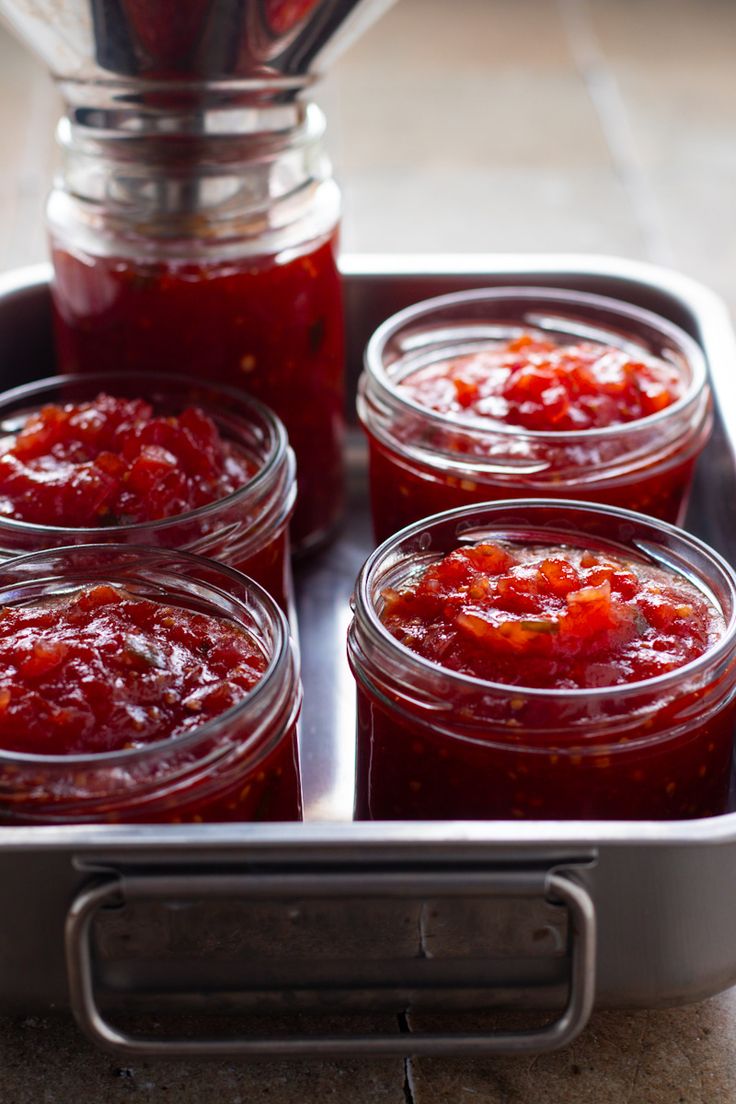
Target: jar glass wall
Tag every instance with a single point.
(218, 261)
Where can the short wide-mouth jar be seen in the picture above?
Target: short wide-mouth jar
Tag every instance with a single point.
(423, 461)
(435, 743)
(247, 530)
(240, 765)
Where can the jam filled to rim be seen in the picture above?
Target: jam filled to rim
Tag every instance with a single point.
(101, 670)
(537, 384)
(111, 461)
(554, 618)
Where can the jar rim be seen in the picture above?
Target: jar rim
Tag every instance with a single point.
(377, 376)
(279, 449)
(252, 699)
(365, 610)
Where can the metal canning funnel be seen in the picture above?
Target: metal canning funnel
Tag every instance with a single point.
(118, 58)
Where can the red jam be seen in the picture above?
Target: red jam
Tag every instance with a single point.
(557, 619)
(535, 384)
(104, 671)
(534, 703)
(273, 328)
(111, 462)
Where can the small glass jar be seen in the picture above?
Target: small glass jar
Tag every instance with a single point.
(423, 462)
(240, 766)
(247, 530)
(209, 249)
(437, 744)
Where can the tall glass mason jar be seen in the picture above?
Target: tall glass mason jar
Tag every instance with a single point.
(205, 244)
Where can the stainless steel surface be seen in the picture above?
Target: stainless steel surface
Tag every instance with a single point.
(116, 60)
(213, 40)
(664, 894)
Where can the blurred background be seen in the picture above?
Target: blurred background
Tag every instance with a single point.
(602, 126)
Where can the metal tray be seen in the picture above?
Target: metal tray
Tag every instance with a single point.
(331, 915)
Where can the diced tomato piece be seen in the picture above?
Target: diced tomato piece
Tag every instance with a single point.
(525, 384)
(560, 576)
(152, 464)
(589, 610)
(45, 656)
(490, 558)
(466, 393)
(42, 431)
(102, 595)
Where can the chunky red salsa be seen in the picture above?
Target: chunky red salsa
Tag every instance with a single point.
(547, 714)
(536, 384)
(111, 461)
(270, 326)
(104, 671)
(553, 618)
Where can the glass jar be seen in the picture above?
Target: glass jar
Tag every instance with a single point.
(209, 251)
(247, 530)
(438, 744)
(423, 461)
(239, 766)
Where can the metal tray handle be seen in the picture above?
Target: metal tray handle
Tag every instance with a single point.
(554, 886)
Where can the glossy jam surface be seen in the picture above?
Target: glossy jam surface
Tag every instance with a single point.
(554, 618)
(270, 326)
(110, 461)
(536, 384)
(561, 724)
(103, 671)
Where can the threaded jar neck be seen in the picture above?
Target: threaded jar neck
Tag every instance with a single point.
(143, 183)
